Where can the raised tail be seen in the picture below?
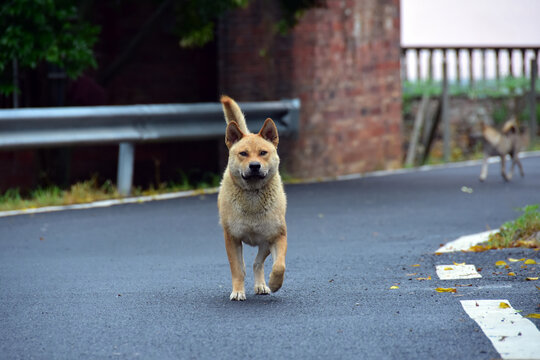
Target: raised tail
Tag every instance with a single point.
(510, 126)
(233, 113)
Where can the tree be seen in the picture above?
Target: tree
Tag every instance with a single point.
(33, 31)
(196, 18)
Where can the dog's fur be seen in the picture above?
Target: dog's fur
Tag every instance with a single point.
(505, 142)
(252, 201)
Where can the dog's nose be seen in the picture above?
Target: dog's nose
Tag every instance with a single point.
(254, 166)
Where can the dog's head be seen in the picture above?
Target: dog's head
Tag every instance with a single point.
(253, 158)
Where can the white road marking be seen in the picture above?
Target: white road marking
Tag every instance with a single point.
(456, 272)
(464, 243)
(513, 336)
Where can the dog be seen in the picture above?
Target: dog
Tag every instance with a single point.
(505, 142)
(252, 202)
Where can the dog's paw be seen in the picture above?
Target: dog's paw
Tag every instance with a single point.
(238, 296)
(262, 289)
(276, 278)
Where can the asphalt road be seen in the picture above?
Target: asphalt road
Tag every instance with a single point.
(152, 281)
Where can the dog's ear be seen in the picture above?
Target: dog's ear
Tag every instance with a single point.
(233, 134)
(269, 132)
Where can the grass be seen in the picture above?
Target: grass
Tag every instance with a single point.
(90, 190)
(521, 232)
(509, 86)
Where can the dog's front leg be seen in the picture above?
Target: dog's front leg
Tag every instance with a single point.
(238, 269)
(484, 172)
(279, 250)
(258, 270)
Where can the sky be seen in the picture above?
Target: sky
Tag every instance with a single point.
(470, 22)
(473, 23)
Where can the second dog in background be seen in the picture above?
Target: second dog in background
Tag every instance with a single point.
(502, 143)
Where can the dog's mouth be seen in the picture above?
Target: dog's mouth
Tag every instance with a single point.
(253, 176)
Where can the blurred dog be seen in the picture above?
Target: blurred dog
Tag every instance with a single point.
(505, 142)
(252, 201)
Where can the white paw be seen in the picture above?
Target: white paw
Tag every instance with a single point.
(238, 296)
(262, 289)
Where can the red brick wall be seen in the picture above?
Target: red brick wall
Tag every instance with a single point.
(342, 62)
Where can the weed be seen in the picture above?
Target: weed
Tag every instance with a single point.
(521, 232)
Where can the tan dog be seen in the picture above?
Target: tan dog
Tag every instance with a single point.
(501, 144)
(252, 202)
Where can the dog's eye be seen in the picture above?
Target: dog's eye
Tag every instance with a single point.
(243, 153)
(262, 153)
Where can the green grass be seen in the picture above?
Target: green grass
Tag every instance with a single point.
(90, 190)
(521, 232)
(509, 86)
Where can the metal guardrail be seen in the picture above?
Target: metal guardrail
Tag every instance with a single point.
(128, 125)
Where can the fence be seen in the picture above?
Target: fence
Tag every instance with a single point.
(128, 125)
(467, 63)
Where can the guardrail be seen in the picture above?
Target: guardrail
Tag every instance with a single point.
(128, 125)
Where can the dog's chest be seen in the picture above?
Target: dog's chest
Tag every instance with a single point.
(255, 221)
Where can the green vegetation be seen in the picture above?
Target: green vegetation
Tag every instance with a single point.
(34, 31)
(90, 190)
(509, 86)
(521, 232)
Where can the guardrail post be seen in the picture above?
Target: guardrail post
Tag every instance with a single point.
(533, 128)
(126, 159)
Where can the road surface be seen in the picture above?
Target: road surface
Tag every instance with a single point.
(152, 280)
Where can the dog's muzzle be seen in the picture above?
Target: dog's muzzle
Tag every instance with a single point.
(254, 172)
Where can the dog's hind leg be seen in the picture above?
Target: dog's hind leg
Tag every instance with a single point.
(238, 269)
(484, 171)
(279, 250)
(515, 160)
(503, 168)
(258, 270)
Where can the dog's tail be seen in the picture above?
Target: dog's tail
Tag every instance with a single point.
(510, 126)
(233, 113)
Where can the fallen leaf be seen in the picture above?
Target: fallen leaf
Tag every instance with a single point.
(423, 278)
(515, 260)
(500, 263)
(533, 316)
(394, 287)
(530, 262)
(538, 288)
(411, 274)
(504, 305)
(449, 268)
(415, 265)
(458, 264)
(532, 279)
(511, 274)
(444, 290)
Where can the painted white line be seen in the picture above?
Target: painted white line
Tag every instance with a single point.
(464, 243)
(107, 203)
(456, 272)
(513, 336)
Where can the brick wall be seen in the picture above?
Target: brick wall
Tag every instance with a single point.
(342, 61)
